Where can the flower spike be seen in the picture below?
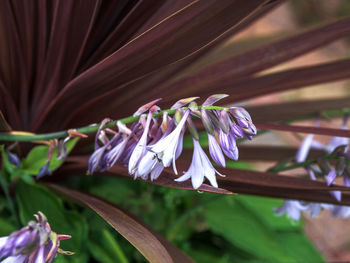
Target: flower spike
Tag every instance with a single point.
(156, 140)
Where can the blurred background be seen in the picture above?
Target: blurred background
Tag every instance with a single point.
(330, 235)
(240, 228)
(209, 227)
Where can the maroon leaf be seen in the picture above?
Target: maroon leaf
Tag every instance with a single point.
(134, 95)
(153, 246)
(165, 43)
(304, 129)
(293, 110)
(267, 56)
(77, 165)
(272, 153)
(4, 126)
(294, 194)
(251, 87)
(257, 180)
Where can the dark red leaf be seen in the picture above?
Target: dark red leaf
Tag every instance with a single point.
(265, 57)
(77, 165)
(251, 87)
(153, 246)
(165, 43)
(304, 129)
(112, 102)
(293, 110)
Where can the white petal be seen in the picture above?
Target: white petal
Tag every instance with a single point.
(157, 170)
(15, 259)
(2, 241)
(140, 148)
(197, 179)
(146, 164)
(184, 177)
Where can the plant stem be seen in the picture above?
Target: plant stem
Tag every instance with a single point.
(299, 165)
(24, 137)
(11, 205)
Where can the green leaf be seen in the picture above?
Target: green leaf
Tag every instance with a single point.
(152, 245)
(6, 227)
(34, 198)
(36, 158)
(262, 208)
(106, 249)
(299, 247)
(249, 223)
(228, 218)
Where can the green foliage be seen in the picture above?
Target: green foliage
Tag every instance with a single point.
(36, 158)
(208, 227)
(34, 198)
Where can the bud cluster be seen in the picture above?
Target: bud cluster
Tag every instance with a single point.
(337, 147)
(156, 140)
(33, 243)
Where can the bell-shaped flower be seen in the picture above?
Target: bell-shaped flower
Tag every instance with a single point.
(228, 145)
(169, 148)
(215, 151)
(33, 243)
(292, 208)
(200, 167)
(140, 148)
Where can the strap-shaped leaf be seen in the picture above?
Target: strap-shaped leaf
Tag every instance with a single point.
(112, 102)
(153, 246)
(165, 43)
(77, 165)
(247, 182)
(300, 77)
(304, 129)
(267, 56)
(291, 110)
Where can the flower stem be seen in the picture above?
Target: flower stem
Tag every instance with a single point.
(29, 137)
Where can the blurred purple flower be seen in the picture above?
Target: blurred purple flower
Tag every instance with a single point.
(34, 243)
(215, 151)
(44, 170)
(13, 159)
(292, 208)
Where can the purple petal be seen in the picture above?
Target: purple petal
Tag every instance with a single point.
(13, 159)
(215, 151)
(213, 99)
(331, 177)
(304, 149)
(336, 195)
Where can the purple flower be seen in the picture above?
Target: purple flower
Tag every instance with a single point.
(341, 211)
(44, 170)
(34, 243)
(215, 151)
(200, 167)
(292, 208)
(13, 159)
(304, 149)
(169, 148)
(140, 148)
(228, 145)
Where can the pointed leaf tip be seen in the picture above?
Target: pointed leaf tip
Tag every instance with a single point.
(146, 107)
(213, 99)
(183, 102)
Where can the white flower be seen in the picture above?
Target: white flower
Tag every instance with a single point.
(140, 148)
(169, 148)
(200, 167)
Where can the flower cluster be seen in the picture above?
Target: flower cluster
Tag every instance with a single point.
(33, 243)
(156, 140)
(337, 147)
